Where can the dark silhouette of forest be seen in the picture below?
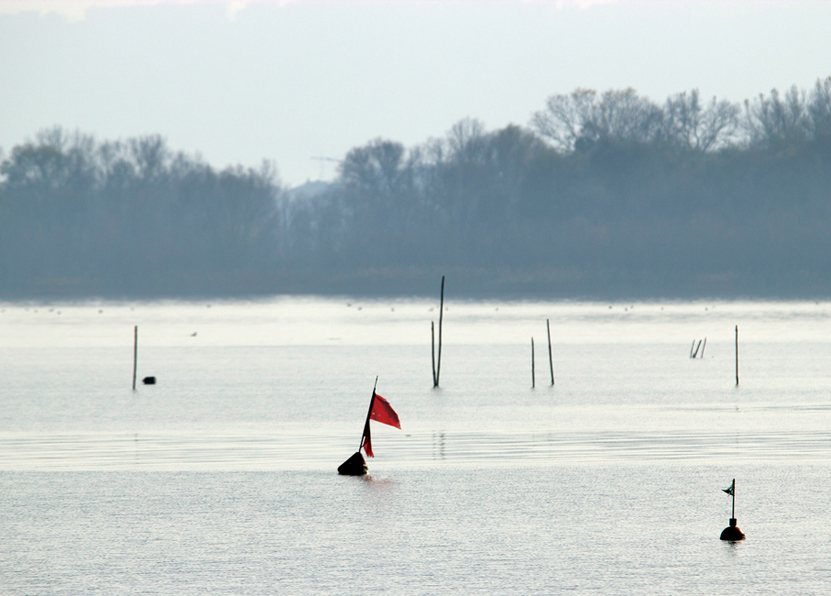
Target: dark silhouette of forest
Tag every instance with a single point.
(602, 195)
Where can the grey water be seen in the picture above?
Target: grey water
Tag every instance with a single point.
(221, 477)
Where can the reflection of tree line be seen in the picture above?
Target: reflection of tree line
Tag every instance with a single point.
(605, 193)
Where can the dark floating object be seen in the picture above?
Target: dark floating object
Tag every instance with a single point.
(732, 533)
(149, 380)
(354, 466)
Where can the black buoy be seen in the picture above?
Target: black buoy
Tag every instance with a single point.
(354, 466)
(149, 380)
(732, 533)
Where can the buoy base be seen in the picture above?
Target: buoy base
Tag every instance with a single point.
(354, 466)
(732, 533)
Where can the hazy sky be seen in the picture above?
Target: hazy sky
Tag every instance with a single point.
(289, 81)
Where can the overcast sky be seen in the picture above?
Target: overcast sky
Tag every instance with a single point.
(290, 81)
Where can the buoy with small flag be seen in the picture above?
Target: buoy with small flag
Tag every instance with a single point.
(732, 533)
(380, 410)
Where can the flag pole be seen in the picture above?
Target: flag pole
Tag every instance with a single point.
(732, 533)
(369, 413)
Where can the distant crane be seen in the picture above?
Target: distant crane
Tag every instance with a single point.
(322, 161)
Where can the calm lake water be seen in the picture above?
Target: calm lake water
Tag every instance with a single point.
(221, 478)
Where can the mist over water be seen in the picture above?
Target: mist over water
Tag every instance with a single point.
(221, 478)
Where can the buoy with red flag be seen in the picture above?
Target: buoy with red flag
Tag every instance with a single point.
(380, 410)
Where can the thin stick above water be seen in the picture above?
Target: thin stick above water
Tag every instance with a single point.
(550, 359)
(441, 316)
(135, 354)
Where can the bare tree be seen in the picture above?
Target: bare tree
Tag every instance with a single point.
(151, 156)
(618, 115)
(466, 141)
(623, 115)
(819, 108)
(774, 120)
(378, 168)
(693, 126)
(562, 120)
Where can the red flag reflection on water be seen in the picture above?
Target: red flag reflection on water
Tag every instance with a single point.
(381, 411)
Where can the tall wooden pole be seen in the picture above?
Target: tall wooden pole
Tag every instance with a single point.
(737, 355)
(550, 359)
(533, 383)
(441, 316)
(734, 499)
(135, 354)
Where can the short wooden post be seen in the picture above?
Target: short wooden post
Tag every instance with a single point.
(135, 354)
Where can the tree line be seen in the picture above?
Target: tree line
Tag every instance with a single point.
(601, 195)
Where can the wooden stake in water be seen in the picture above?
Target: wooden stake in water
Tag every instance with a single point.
(441, 317)
(135, 354)
(433, 350)
(737, 355)
(533, 383)
(550, 359)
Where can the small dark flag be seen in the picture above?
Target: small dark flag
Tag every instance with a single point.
(730, 491)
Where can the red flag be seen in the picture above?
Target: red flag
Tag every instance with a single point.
(381, 411)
